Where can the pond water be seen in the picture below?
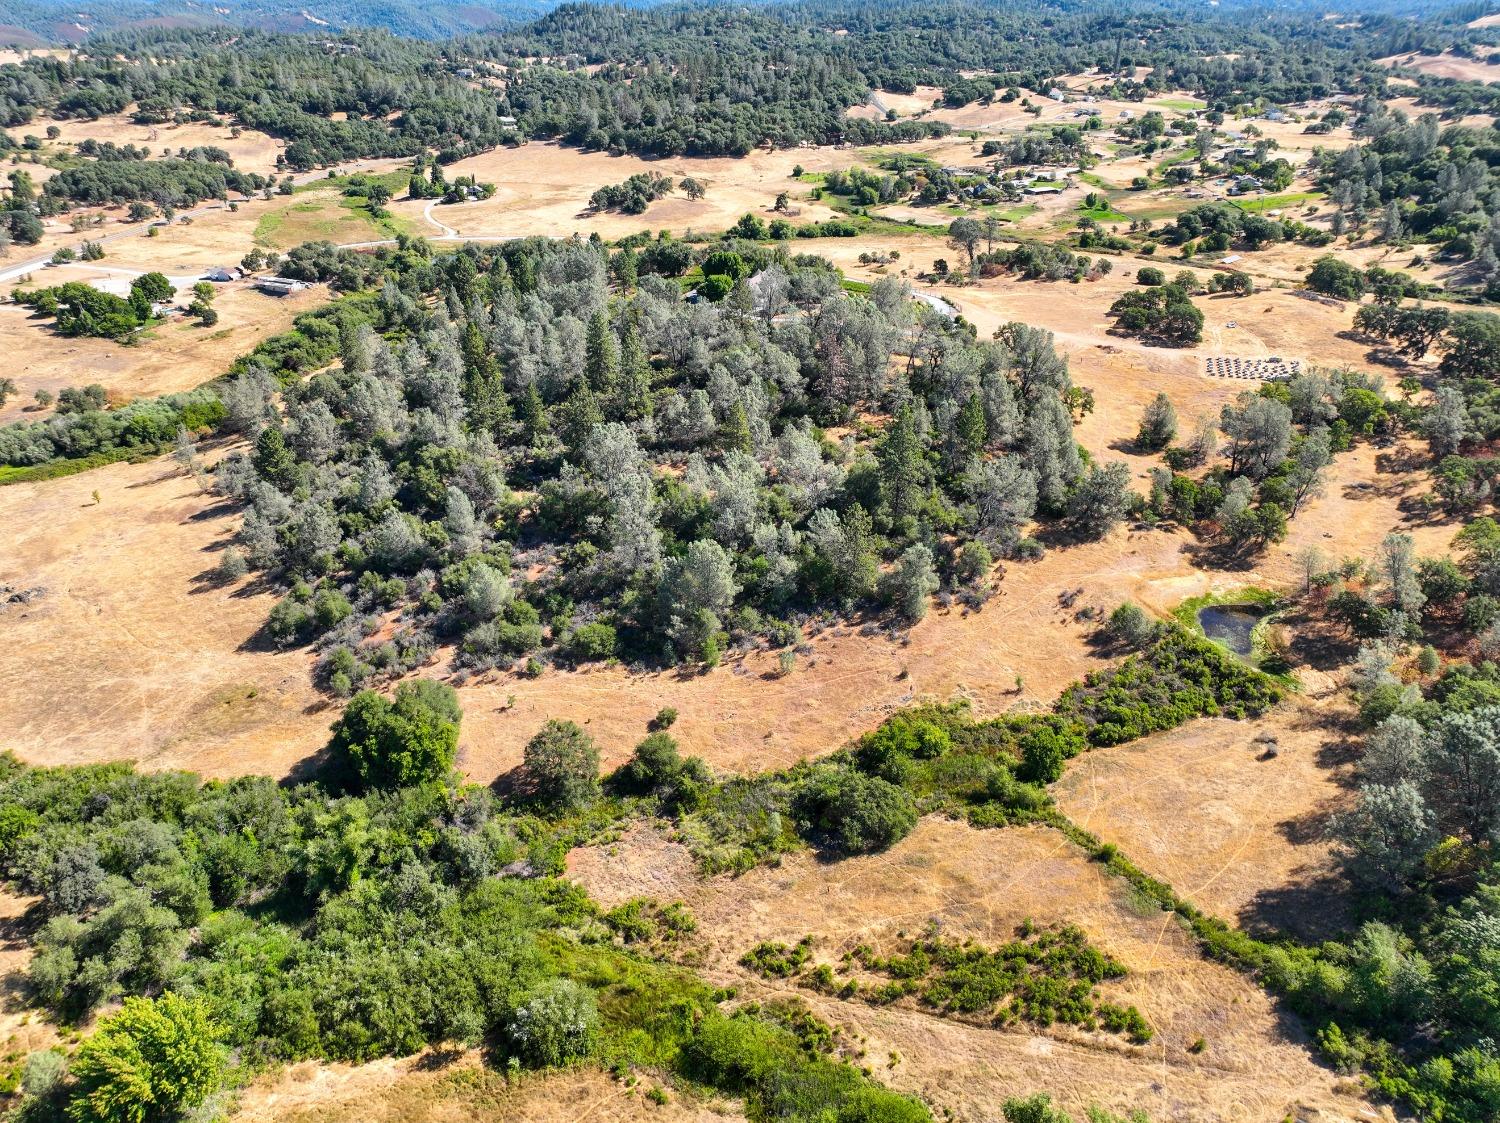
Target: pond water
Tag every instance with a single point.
(1230, 624)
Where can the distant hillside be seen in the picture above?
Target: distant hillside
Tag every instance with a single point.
(40, 23)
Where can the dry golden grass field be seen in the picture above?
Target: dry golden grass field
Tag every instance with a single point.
(1255, 1064)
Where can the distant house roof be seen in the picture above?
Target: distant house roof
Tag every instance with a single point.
(220, 273)
(279, 286)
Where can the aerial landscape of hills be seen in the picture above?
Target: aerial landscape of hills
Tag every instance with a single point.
(834, 561)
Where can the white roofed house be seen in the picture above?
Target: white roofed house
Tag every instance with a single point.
(279, 286)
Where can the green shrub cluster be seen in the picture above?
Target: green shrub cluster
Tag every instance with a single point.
(296, 923)
(1180, 677)
(96, 436)
(1040, 977)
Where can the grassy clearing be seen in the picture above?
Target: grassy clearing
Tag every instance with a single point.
(324, 217)
(1105, 213)
(1172, 161)
(1181, 104)
(1278, 202)
(57, 469)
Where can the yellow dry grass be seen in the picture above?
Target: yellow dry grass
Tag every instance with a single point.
(434, 1089)
(1447, 65)
(1256, 1062)
(175, 355)
(251, 150)
(130, 652)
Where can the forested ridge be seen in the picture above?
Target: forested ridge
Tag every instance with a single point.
(695, 79)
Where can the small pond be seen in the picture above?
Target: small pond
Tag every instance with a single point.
(1230, 624)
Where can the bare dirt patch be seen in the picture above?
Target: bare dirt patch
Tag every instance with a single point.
(1256, 1062)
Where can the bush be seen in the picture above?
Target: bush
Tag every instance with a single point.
(562, 763)
(394, 744)
(655, 764)
(888, 750)
(148, 1062)
(854, 813)
(1130, 624)
(1181, 676)
(592, 643)
(557, 1024)
(1034, 1109)
(1043, 751)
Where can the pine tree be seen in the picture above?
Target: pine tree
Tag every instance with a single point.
(901, 467)
(533, 412)
(484, 386)
(734, 434)
(580, 413)
(634, 389)
(1158, 424)
(601, 363)
(972, 430)
(274, 460)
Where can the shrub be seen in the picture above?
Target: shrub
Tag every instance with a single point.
(853, 812)
(1034, 1109)
(1130, 624)
(593, 642)
(1043, 751)
(562, 763)
(148, 1062)
(394, 744)
(232, 565)
(887, 751)
(557, 1024)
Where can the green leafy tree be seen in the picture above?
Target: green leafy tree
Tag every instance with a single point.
(1336, 278)
(411, 739)
(562, 763)
(148, 1063)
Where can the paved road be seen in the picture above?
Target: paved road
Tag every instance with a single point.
(932, 300)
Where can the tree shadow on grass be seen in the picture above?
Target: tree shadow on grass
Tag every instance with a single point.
(1312, 908)
(1221, 557)
(18, 933)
